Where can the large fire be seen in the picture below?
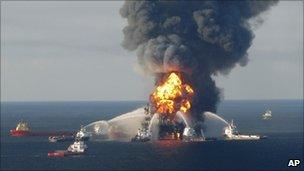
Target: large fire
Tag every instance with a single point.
(172, 95)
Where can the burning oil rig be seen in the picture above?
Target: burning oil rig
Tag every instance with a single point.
(169, 105)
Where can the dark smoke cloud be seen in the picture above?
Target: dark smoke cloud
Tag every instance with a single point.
(197, 38)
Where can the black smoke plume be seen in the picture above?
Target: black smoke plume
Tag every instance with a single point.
(196, 38)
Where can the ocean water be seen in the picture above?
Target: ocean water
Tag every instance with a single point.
(284, 142)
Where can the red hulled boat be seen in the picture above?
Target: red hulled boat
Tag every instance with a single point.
(77, 148)
(21, 129)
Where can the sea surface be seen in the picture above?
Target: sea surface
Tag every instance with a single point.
(284, 142)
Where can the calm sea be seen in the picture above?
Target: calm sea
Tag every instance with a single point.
(284, 142)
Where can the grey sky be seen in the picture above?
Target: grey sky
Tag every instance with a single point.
(71, 51)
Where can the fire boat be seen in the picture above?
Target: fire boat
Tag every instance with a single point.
(143, 135)
(230, 133)
(82, 134)
(77, 148)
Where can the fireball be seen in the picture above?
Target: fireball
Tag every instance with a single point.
(172, 95)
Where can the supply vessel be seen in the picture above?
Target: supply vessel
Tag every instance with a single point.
(22, 129)
(230, 133)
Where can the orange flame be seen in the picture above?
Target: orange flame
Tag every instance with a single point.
(172, 95)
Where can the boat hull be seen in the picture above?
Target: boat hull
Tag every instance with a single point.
(19, 133)
(56, 154)
(244, 137)
(135, 139)
(63, 153)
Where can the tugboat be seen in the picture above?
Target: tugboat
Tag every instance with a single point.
(230, 133)
(143, 135)
(22, 129)
(189, 134)
(61, 138)
(77, 148)
(82, 135)
(267, 115)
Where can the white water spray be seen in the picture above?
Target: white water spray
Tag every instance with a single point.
(153, 126)
(216, 117)
(153, 119)
(122, 127)
(213, 125)
(182, 116)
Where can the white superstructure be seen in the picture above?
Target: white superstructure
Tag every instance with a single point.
(267, 115)
(230, 133)
(77, 147)
(188, 133)
(142, 135)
